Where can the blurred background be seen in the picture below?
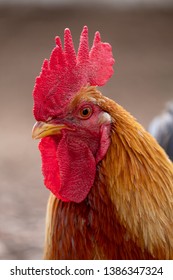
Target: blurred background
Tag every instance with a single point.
(141, 35)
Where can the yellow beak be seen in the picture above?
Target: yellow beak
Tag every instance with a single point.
(43, 129)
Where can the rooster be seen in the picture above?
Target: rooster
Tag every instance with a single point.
(111, 183)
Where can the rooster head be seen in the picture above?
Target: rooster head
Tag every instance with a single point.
(73, 128)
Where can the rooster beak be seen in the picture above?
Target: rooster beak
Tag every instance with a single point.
(43, 129)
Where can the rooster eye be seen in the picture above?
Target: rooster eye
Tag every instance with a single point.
(85, 112)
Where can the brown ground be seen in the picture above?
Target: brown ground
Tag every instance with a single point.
(142, 43)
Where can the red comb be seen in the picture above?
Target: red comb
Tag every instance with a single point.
(65, 72)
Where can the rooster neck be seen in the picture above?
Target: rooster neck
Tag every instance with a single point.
(88, 230)
(139, 177)
(128, 211)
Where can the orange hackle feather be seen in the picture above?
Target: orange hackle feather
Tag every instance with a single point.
(128, 213)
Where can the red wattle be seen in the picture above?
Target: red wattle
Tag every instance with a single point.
(68, 167)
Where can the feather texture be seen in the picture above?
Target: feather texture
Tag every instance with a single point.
(128, 212)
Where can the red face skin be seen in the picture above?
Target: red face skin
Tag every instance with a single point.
(69, 159)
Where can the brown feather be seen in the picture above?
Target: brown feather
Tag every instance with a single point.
(128, 213)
